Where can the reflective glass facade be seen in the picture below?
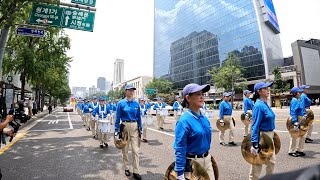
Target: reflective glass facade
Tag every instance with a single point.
(192, 36)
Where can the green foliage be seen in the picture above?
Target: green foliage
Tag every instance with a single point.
(117, 94)
(162, 86)
(279, 85)
(229, 75)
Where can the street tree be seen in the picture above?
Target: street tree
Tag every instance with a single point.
(161, 86)
(279, 85)
(229, 76)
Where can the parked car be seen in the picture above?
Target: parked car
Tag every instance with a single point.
(169, 108)
(68, 108)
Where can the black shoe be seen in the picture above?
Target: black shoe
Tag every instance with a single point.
(101, 145)
(144, 140)
(232, 143)
(162, 128)
(136, 176)
(93, 137)
(222, 143)
(309, 139)
(293, 154)
(106, 144)
(88, 129)
(299, 153)
(127, 172)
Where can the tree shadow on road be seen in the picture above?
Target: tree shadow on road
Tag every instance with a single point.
(76, 157)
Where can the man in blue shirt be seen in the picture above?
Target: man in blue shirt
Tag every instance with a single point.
(93, 123)
(128, 112)
(306, 103)
(87, 114)
(160, 107)
(296, 111)
(248, 105)
(225, 115)
(177, 108)
(101, 114)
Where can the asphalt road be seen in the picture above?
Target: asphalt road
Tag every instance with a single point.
(58, 147)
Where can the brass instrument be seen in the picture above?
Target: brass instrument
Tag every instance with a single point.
(246, 121)
(121, 141)
(304, 126)
(266, 145)
(197, 171)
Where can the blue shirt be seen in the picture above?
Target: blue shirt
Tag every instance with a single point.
(112, 107)
(103, 113)
(176, 106)
(192, 136)
(93, 105)
(127, 111)
(262, 120)
(225, 109)
(296, 109)
(86, 109)
(248, 105)
(143, 110)
(305, 102)
(148, 105)
(159, 105)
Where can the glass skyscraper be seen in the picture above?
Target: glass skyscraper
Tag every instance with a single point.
(192, 36)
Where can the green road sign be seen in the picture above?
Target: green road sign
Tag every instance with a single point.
(62, 17)
(91, 3)
(107, 98)
(78, 19)
(150, 91)
(46, 15)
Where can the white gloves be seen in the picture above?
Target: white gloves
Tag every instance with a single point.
(221, 123)
(90, 109)
(296, 126)
(181, 177)
(254, 150)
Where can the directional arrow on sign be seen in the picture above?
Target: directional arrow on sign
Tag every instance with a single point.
(67, 19)
(44, 21)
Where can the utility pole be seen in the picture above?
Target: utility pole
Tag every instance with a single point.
(3, 42)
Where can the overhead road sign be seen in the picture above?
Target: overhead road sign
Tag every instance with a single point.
(62, 17)
(91, 3)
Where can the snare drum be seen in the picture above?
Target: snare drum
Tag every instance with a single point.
(104, 125)
(149, 120)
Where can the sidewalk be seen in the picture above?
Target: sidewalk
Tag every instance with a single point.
(32, 119)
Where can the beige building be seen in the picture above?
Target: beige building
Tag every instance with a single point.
(139, 83)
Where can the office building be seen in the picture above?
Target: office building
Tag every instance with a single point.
(118, 76)
(101, 83)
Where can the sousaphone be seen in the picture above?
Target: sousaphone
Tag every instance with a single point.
(266, 148)
(197, 171)
(304, 126)
(121, 141)
(246, 121)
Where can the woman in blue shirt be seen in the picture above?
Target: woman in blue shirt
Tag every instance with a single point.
(128, 112)
(177, 108)
(143, 111)
(263, 120)
(193, 133)
(225, 115)
(296, 110)
(247, 106)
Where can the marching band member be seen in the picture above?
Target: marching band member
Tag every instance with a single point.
(93, 123)
(247, 106)
(263, 120)
(81, 111)
(143, 110)
(296, 110)
(112, 108)
(177, 108)
(160, 107)
(306, 103)
(193, 133)
(101, 113)
(148, 106)
(225, 113)
(128, 111)
(87, 114)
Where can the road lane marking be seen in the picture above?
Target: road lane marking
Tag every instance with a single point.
(45, 130)
(57, 121)
(70, 123)
(161, 132)
(18, 137)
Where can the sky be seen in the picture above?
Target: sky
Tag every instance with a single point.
(124, 29)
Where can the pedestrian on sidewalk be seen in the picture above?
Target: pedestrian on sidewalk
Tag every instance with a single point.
(34, 107)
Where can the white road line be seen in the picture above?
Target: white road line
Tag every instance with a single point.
(45, 130)
(51, 121)
(161, 132)
(70, 123)
(57, 121)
